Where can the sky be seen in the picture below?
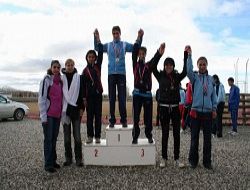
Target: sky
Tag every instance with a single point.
(34, 32)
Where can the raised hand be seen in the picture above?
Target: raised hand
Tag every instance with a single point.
(162, 48)
(188, 49)
(140, 33)
(96, 35)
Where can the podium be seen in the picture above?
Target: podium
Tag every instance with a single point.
(117, 149)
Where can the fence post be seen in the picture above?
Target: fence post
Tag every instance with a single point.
(244, 109)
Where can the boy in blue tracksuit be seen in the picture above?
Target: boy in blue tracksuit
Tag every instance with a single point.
(233, 104)
(116, 51)
(203, 110)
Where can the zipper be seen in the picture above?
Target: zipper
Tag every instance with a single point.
(203, 93)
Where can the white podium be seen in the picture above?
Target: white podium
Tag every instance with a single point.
(117, 149)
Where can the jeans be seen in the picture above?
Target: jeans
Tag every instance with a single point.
(77, 139)
(166, 114)
(217, 126)
(147, 104)
(94, 111)
(196, 124)
(119, 81)
(234, 117)
(50, 132)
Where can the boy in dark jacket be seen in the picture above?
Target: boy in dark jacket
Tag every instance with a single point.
(142, 95)
(169, 80)
(93, 93)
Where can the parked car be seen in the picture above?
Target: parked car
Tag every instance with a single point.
(12, 109)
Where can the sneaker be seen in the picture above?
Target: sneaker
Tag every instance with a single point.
(89, 140)
(135, 141)
(209, 167)
(97, 140)
(50, 170)
(56, 165)
(79, 164)
(67, 163)
(179, 164)
(124, 125)
(150, 140)
(233, 133)
(111, 125)
(229, 132)
(181, 131)
(163, 163)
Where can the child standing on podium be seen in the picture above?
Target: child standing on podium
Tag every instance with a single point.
(142, 96)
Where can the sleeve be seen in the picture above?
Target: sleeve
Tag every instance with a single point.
(134, 54)
(154, 61)
(96, 46)
(156, 74)
(183, 74)
(214, 99)
(42, 99)
(190, 72)
(223, 94)
(100, 56)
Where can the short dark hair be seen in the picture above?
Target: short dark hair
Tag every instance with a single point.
(170, 61)
(215, 77)
(202, 58)
(230, 79)
(116, 28)
(144, 49)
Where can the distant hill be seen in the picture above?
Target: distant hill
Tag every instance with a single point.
(17, 93)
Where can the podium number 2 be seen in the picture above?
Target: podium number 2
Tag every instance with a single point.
(96, 152)
(142, 152)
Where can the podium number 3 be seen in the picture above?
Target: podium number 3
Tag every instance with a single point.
(142, 152)
(96, 152)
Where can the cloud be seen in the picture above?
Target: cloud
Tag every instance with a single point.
(64, 29)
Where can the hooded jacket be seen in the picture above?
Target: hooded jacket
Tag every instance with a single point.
(204, 95)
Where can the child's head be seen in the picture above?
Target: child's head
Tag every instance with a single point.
(169, 65)
(91, 57)
(202, 65)
(69, 66)
(216, 79)
(116, 32)
(230, 81)
(142, 53)
(54, 68)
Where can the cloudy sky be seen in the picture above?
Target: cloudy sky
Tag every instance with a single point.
(34, 32)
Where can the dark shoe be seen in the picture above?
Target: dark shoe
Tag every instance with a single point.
(67, 163)
(124, 125)
(219, 136)
(135, 141)
(50, 170)
(150, 140)
(111, 125)
(56, 165)
(79, 164)
(209, 167)
(193, 166)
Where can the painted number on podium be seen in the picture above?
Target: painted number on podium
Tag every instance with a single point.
(96, 152)
(142, 152)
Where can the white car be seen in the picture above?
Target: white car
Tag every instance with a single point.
(12, 109)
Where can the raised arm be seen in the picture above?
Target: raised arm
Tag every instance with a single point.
(190, 72)
(98, 41)
(155, 60)
(100, 56)
(135, 54)
(129, 47)
(183, 74)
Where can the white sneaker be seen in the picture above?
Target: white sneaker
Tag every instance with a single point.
(179, 164)
(182, 131)
(234, 133)
(163, 163)
(229, 132)
(89, 140)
